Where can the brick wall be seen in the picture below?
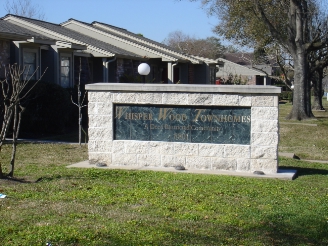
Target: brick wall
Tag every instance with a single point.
(120, 69)
(86, 70)
(191, 74)
(4, 55)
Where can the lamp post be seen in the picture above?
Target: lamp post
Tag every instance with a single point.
(143, 70)
(292, 87)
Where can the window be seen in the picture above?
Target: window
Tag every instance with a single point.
(65, 73)
(30, 63)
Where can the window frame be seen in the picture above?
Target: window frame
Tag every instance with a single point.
(70, 71)
(36, 51)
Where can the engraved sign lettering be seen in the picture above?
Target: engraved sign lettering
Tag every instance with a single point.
(198, 124)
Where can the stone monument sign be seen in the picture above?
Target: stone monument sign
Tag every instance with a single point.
(212, 127)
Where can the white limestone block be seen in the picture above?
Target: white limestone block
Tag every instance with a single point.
(243, 165)
(175, 98)
(92, 108)
(264, 139)
(96, 157)
(227, 164)
(200, 99)
(125, 159)
(237, 151)
(125, 97)
(100, 133)
(186, 149)
(215, 150)
(149, 160)
(265, 113)
(91, 146)
(225, 100)
(146, 98)
(167, 160)
(264, 126)
(100, 108)
(137, 147)
(154, 147)
(245, 101)
(265, 165)
(263, 101)
(167, 148)
(172, 161)
(198, 162)
(276, 101)
(118, 147)
(100, 121)
(100, 146)
(100, 96)
(264, 152)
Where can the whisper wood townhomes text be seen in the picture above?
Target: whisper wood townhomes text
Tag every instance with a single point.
(187, 124)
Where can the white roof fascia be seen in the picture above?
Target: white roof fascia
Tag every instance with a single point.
(96, 54)
(90, 52)
(71, 45)
(50, 33)
(44, 47)
(20, 42)
(241, 67)
(41, 41)
(6, 35)
(99, 54)
(82, 53)
(166, 57)
(207, 60)
(195, 61)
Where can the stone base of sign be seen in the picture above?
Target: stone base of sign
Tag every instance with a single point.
(260, 155)
(286, 174)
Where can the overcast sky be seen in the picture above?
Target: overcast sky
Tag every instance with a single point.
(155, 19)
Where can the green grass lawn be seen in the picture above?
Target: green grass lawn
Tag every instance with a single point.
(70, 206)
(307, 139)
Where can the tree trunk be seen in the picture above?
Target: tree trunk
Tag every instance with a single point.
(301, 109)
(14, 143)
(4, 130)
(297, 38)
(317, 91)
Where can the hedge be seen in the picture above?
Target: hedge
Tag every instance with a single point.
(48, 110)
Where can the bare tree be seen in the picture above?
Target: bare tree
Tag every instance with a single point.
(80, 102)
(210, 47)
(24, 8)
(14, 89)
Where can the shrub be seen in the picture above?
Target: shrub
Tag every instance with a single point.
(125, 78)
(48, 110)
(286, 95)
(290, 96)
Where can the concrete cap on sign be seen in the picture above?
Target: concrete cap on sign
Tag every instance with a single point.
(198, 88)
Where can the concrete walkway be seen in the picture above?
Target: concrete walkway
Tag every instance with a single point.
(293, 156)
(292, 123)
